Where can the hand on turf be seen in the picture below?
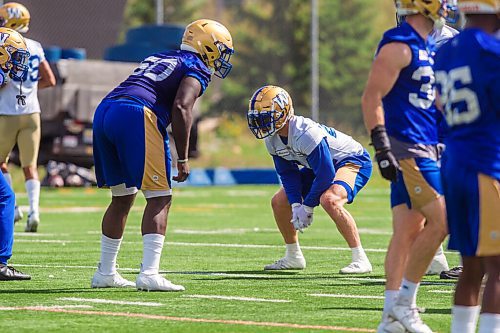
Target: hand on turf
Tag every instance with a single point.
(388, 165)
(295, 216)
(182, 172)
(305, 216)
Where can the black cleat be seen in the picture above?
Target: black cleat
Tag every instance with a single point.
(452, 274)
(9, 273)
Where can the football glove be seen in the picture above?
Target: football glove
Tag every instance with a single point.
(387, 163)
(295, 216)
(305, 215)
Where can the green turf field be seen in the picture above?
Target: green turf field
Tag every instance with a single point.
(218, 241)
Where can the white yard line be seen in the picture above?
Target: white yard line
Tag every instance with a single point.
(442, 291)
(347, 296)
(36, 234)
(226, 245)
(423, 283)
(237, 298)
(192, 320)
(226, 231)
(369, 231)
(45, 307)
(72, 266)
(107, 301)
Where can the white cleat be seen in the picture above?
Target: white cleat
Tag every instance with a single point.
(438, 264)
(357, 267)
(18, 214)
(32, 222)
(410, 318)
(287, 263)
(156, 282)
(389, 325)
(100, 280)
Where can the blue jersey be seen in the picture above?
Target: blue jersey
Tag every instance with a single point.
(468, 81)
(409, 109)
(155, 82)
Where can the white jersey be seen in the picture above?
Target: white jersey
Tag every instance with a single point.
(8, 99)
(304, 135)
(441, 36)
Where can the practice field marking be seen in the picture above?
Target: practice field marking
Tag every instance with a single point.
(192, 320)
(73, 266)
(423, 283)
(237, 298)
(226, 231)
(36, 234)
(442, 291)
(46, 307)
(107, 301)
(369, 231)
(227, 245)
(347, 296)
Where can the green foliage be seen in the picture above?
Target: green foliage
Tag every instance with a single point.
(273, 46)
(231, 126)
(139, 12)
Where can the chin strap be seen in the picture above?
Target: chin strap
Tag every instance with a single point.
(21, 98)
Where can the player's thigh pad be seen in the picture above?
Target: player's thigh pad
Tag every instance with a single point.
(9, 127)
(28, 139)
(418, 183)
(472, 201)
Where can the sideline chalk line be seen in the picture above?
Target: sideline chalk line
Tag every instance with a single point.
(187, 319)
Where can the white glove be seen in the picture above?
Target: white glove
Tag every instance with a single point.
(305, 215)
(295, 216)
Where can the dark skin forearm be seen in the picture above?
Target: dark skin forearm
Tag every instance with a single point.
(182, 120)
(182, 117)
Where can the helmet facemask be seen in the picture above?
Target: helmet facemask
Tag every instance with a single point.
(222, 66)
(265, 123)
(19, 64)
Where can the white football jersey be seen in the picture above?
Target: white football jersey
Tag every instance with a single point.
(304, 135)
(8, 99)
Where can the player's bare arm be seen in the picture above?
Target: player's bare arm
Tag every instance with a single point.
(391, 59)
(47, 78)
(383, 75)
(182, 118)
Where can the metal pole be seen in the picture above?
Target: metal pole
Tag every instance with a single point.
(159, 12)
(314, 61)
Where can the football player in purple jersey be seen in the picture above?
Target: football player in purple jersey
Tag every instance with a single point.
(131, 149)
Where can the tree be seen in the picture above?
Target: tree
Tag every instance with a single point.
(273, 45)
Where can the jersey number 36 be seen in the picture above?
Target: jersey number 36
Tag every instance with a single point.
(461, 105)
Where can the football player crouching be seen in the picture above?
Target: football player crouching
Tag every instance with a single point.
(317, 165)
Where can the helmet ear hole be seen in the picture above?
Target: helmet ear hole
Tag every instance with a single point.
(209, 49)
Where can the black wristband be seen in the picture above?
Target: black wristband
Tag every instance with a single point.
(380, 139)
